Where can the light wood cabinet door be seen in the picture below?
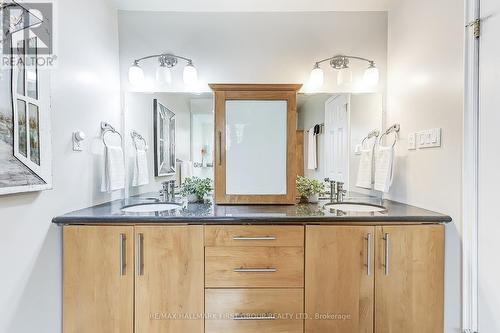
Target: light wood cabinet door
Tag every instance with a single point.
(98, 275)
(409, 279)
(169, 287)
(339, 279)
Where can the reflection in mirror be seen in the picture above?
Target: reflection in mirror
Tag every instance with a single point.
(191, 144)
(334, 127)
(164, 139)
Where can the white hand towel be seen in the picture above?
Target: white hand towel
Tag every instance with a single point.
(365, 169)
(312, 159)
(141, 175)
(113, 177)
(384, 168)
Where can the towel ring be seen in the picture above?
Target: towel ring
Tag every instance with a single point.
(107, 128)
(393, 129)
(372, 134)
(137, 137)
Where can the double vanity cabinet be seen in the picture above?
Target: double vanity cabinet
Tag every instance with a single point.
(231, 278)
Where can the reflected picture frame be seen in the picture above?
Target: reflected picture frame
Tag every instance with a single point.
(164, 140)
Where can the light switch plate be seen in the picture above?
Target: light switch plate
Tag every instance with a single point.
(429, 138)
(412, 141)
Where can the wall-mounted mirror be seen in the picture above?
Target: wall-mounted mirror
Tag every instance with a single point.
(185, 129)
(334, 127)
(164, 139)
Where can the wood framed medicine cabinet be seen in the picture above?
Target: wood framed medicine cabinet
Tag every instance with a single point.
(255, 143)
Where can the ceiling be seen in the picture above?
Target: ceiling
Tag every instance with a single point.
(253, 5)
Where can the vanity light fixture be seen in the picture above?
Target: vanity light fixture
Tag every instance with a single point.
(344, 76)
(163, 72)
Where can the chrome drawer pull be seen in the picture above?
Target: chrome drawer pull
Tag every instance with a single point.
(256, 238)
(140, 254)
(387, 249)
(255, 270)
(265, 316)
(123, 261)
(369, 254)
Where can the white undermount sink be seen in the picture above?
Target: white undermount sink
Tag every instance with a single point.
(356, 207)
(151, 207)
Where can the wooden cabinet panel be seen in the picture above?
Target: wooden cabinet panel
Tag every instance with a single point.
(241, 235)
(338, 283)
(284, 267)
(409, 292)
(299, 153)
(272, 310)
(169, 288)
(98, 275)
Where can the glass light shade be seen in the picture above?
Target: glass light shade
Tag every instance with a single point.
(135, 75)
(371, 76)
(316, 78)
(190, 74)
(344, 76)
(163, 75)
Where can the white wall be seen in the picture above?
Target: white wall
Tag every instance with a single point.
(425, 90)
(85, 90)
(254, 47)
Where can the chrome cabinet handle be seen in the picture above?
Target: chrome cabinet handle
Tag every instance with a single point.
(369, 254)
(123, 260)
(256, 238)
(255, 270)
(242, 316)
(140, 254)
(387, 248)
(219, 147)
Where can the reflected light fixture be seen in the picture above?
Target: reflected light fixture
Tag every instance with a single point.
(163, 72)
(344, 76)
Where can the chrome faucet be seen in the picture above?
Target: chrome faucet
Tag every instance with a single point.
(167, 193)
(337, 192)
(340, 192)
(333, 189)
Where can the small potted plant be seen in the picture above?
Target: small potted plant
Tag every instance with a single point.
(195, 188)
(309, 189)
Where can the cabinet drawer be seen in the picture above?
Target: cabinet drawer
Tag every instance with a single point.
(254, 267)
(254, 310)
(254, 235)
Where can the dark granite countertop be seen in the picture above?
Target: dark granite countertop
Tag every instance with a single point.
(209, 213)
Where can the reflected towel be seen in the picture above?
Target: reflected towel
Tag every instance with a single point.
(140, 174)
(113, 177)
(384, 168)
(365, 169)
(312, 159)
